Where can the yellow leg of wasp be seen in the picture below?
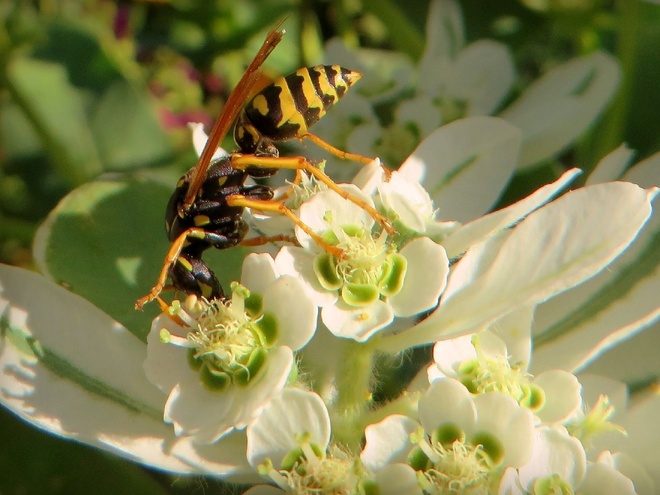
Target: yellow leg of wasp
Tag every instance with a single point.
(336, 151)
(170, 259)
(285, 195)
(344, 154)
(241, 162)
(265, 239)
(276, 207)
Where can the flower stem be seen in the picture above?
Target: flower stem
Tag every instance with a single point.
(353, 385)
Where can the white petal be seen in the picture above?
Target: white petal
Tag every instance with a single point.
(555, 248)
(602, 479)
(473, 232)
(420, 112)
(501, 416)
(444, 39)
(634, 360)
(645, 173)
(89, 384)
(398, 479)
(409, 200)
(555, 452)
(165, 364)
(258, 272)
(209, 416)
(643, 434)
(562, 395)
(388, 441)
(447, 401)
(515, 329)
(481, 76)
(273, 434)
(369, 177)
(612, 166)
(426, 277)
(469, 158)
(359, 324)
(343, 212)
(299, 263)
(449, 353)
(560, 106)
(294, 311)
(191, 408)
(199, 138)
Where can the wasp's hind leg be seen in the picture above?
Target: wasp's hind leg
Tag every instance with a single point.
(203, 240)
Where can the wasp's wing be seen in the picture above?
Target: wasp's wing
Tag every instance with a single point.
(232, 108)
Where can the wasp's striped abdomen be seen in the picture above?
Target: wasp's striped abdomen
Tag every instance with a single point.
(290, 105)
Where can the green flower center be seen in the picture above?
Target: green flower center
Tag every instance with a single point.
(306, 470)
(487, 373)
(450, 465)
(230, 340)
(369, 268)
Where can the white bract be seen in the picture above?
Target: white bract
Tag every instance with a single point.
(224, 360)
(454, 80)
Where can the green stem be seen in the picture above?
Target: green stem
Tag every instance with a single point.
(353, 385)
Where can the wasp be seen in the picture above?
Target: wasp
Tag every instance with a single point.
(207, 206)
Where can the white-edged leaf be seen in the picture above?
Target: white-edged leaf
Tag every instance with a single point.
(470, 158)
(612, 166)
(477, 230)
(445, 37)
(68, 368)
(481, 76)
(552, 250)
(563, 104)
(576, 327)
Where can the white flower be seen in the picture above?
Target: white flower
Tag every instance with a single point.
(460, 442)
(289, 443)
(226, 359)
(361, 291)
(559, 465)
(483, 363)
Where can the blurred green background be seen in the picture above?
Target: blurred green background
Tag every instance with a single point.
(95, 88)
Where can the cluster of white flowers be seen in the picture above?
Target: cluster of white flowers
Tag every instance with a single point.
(278, 384)
(477, 420)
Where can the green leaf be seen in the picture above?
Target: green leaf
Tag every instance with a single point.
(55, 110)
(105, 241)
(127, 130)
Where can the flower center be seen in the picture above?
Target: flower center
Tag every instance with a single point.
(228, 340)
(308, 471)
(449, 463)
(369, 268)
(489, 373)
(596, 421)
